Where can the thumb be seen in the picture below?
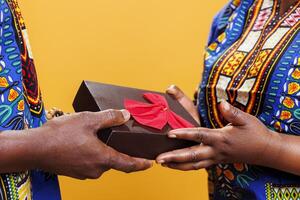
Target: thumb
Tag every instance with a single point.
(109, 118)
(232, 114)
(179, 95)
(184, 100)
(125, 163)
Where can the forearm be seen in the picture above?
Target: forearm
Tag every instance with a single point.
(282, 153)
(18, 151)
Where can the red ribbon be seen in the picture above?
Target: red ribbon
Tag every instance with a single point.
(157, 114)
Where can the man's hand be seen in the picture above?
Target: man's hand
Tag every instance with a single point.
(69, 146)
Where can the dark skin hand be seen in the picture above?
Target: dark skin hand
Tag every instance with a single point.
(68, 146)
(244, 140)
(184, 100)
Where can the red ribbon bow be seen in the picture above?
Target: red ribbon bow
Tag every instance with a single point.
(155, 115)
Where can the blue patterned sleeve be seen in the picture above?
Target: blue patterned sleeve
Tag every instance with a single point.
(221, 20)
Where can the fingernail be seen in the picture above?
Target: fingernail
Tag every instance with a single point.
(171, 132)
(126, 114)
(171, 89)
(160, 161)
(172, 136)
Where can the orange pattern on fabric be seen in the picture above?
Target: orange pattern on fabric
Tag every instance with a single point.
(206, 55)
(13, 94)
(255, 68)
(213, 46)
(18, 13)
(236, 2)
(296, 74)
(293, 88)
(277, 126)
(221, 37)
(298, 62)
(3, 82)
(219, 171)
(233, 63)
(21, 105)
(288, 102)
(285, 115)
(229, 175)
(239, 166)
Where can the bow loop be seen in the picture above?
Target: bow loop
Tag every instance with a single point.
(156, 99)
(156, 114)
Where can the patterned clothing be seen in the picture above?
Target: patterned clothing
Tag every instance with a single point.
(253, 61)
(20, 103)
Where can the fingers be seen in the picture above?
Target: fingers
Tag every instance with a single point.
(200, 135)
(192, 154)
(232, 114)
(125, 163)
(190, 166)
(109, 118)
(186, 102)
(176, 92)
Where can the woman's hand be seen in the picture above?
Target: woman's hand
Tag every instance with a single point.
(244, 140)
(185, 101)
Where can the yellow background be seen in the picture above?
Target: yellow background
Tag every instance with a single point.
(141, 43)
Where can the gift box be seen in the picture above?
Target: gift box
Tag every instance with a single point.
(153, 115)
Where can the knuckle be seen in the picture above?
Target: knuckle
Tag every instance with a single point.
(111, 115)
(195, 166)
(203, 137)
(108, 159)
(173, 156)
(132, 166)
(198, 136)
(235, 112)
(193, 156)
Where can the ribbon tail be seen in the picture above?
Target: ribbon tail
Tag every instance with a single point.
(176, 122)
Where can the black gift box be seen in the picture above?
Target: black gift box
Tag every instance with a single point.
(131, 138)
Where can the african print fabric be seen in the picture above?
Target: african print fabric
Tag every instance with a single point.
(253, 61)
(21, 105)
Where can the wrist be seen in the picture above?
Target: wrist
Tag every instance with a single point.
(17, 151)
(273, 147)
(39, 145)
